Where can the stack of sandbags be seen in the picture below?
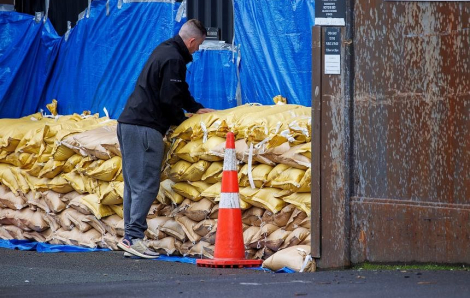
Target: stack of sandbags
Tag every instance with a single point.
(70, 181)
(52, 180)
(273, 148)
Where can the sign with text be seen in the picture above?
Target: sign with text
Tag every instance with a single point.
(330, 12)
(332, 51)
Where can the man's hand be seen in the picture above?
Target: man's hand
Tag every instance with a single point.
(203, 111)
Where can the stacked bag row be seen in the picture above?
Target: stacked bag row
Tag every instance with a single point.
(62, 181)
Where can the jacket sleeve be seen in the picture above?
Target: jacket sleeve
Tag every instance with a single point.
(174, 91)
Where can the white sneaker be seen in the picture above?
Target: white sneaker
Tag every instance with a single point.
(137, 248)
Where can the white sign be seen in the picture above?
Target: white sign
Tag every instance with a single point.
(333, 64)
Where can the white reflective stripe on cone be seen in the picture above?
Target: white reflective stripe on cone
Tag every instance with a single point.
(229, 200)
(230, 160)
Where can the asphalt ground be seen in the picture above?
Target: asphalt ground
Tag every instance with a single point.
(109, 274)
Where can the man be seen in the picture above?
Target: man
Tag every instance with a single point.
(160, 95)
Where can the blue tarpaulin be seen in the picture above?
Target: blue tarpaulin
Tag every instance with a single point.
(275, 44)
(95, 67)
(212, 78)
(45, 247)
(27, 54)
(99, 62)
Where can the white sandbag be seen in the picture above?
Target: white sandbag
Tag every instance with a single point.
(297, 258)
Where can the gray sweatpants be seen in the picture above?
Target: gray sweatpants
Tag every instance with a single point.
(142, 150)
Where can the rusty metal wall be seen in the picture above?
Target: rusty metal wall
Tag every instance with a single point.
(411, 128)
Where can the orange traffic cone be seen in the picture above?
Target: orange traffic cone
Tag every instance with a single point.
(229, 248)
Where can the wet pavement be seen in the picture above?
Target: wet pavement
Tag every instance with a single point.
(109, 274)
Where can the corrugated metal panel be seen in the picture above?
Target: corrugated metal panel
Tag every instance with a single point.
(213, 13)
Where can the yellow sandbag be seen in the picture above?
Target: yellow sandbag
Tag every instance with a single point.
(191, 151)
(118, 209)
(185, 129)
(186, 190)
(206, 150)
(52, 107)
(266, 198)
(200, 185)
(305, 150)
(8, 178)
(113, 194)
(76, 181)
(62, 153)
(51, 169)
(171, 157)
(107, 170)
(33, 140)
(36, 184)
(92, 202)
(275, 124)
(305, 183)
(302, 201)
(60, 185)
(289, 179)
(213, 191)
(294, 159)
(229, 117)
(166, 188)
(257, 119)
(178, 169)
(84, 167)
(210, 175)
(260, 174)
(195, 171)
(71, 162)
(23, 185)
(18, 159)
(301, 130)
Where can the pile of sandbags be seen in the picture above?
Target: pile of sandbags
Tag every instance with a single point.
(61, 181)
(273, 149)
(56, 173)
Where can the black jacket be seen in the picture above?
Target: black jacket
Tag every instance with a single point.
(161, 92)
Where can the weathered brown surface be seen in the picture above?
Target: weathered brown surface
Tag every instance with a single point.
(330, 164)
(411, 132)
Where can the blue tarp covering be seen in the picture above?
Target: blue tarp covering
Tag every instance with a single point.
(44, 247)
(98, 64)
(27, 54)
(212, 78)
(275, 43)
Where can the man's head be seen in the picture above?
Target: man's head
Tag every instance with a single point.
(193, 34)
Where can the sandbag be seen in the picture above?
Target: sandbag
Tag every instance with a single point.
(154, 226)
(10, 200)
(186, 190)
(118, 209)
(289, 179)
(92, 202)
(187, 225)
(164, 246)
(53, 201)
(302, 201)
(111, 223)
(199, 210)
(107, 171)
(296, 219)
(266, 198)
(297, 258)
(195, 171)
(174, 229)
(59, 184)
(204, 227)
(295, 237)
(167, 190)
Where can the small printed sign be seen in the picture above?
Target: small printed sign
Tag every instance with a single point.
(330, 12)
(332, 51)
